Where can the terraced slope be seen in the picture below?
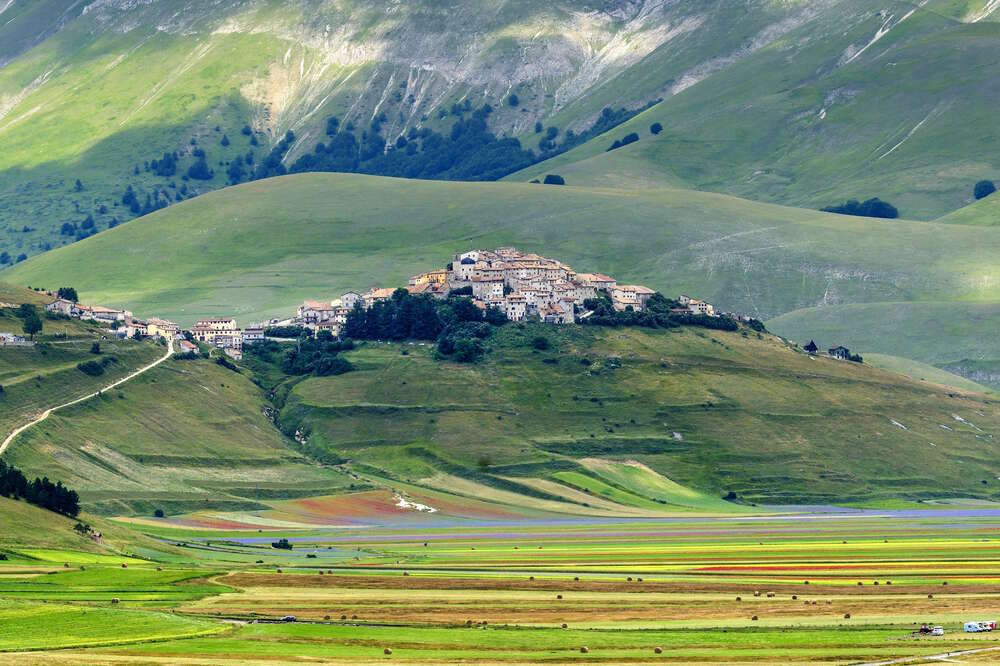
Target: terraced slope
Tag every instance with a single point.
(187, 435)
(713, 412)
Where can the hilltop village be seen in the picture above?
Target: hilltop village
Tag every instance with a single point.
(502, 283)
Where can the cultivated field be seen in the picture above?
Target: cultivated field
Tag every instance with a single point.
(768, 588)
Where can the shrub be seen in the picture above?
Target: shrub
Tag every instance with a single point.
(281, 544)
(92, 368)
(513, 100)
(874, 207)
(983, 189)
(631, 137)
(158, 513)
(554, 179)
(655, 128)
(540, 343)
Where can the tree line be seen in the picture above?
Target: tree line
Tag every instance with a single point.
(40, 492)
(657, 314)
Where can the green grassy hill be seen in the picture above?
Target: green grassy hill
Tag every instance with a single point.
(187, 435)
(259, 249)
(854, 103)
(717, 412)
(985, 212)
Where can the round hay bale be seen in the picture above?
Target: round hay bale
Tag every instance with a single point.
(847, 616)
(124, 566)
(629, 579)
(794, 597)
(584, 649)
(279, 570)
(159, 568)
(829, 603)
(806, 602)
(320, 572)
(576, 579)
(66, 565)
(875, 583)
(387, 651)
(770, 595)
(754, 618)
(558, 596)
(739, 598)
(564, 625)
(945, 583)
(930, 596)
(756, 593)
(638, 580)
(805, 582)
(531, 578)
(658, 650)
(888, 582)
(116, 600)
(860, 583)
(406, 573)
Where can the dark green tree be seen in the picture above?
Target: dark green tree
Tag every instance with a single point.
(983, 189)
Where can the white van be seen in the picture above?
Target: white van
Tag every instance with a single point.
(937, 631)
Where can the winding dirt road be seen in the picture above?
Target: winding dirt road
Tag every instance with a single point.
(48, 412)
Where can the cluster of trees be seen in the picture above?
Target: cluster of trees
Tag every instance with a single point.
(631, 137)
(656, 315)
(457, 324)
(40, 492)
(31, 320)
(6, 259)
(874, 207)
(319, 356)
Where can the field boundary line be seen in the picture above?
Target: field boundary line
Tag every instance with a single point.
(48, 412)
(929, 657)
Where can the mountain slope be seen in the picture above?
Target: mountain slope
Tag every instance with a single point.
(892, 100)
(90, 90)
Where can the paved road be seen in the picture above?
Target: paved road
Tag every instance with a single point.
(44, 415)
(944, 656)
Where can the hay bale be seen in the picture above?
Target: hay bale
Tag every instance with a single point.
(629, 579)
(584, 649)
(124, 566)
(794, 597)
(754, 618)
(576, 579)
(387, 651)
(279, 570)
(770, 595)
(326, 617)
(860, 583)
(756, 593)
(406, 573)
(564, 625)
(558, 596)
(805, 582)
(930, 596)
(658, 650)
(116, 600)
(739, 598)
(847, 616)
(945, 583)
(531, 578)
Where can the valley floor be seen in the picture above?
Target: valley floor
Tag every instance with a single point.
(810, 585)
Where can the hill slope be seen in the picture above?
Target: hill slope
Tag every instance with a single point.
(187, 435)
(715, 411)
(259, 249)
(893, 100)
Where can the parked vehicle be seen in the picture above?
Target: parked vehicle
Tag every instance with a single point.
(977, 627)
(937, 631)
